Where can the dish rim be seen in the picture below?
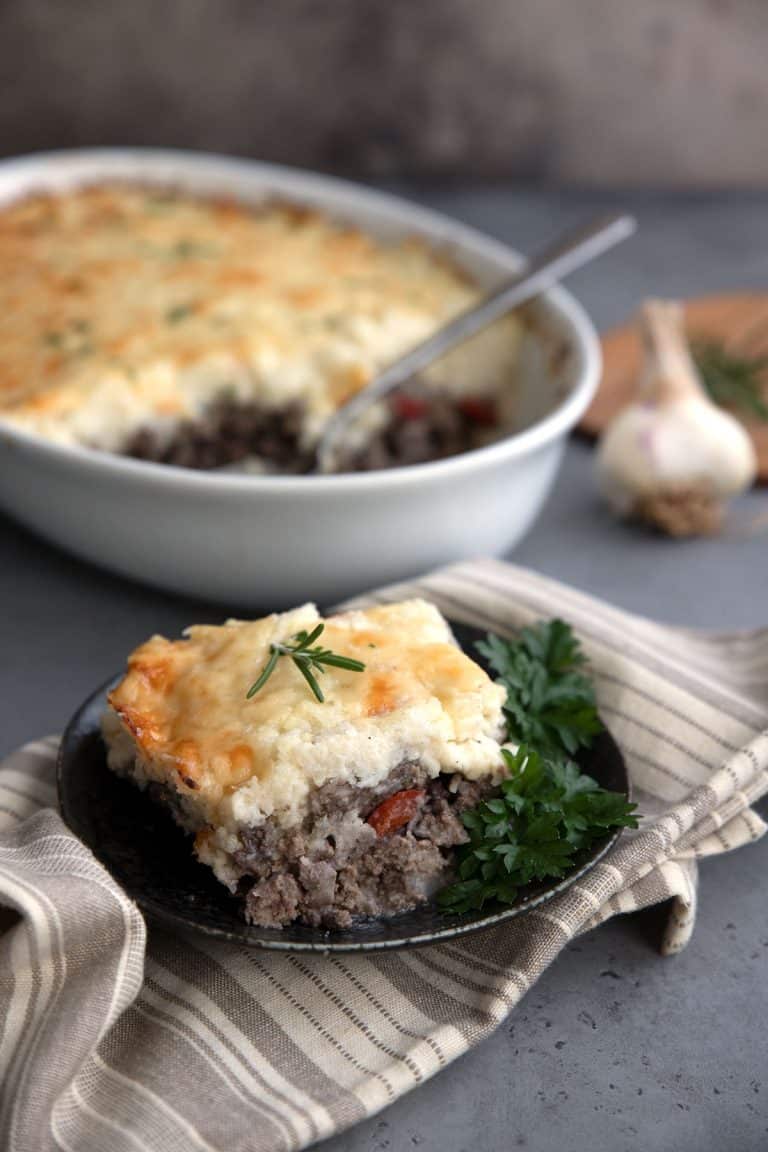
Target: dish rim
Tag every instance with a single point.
(398, 211)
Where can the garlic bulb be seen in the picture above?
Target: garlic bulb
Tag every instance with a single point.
(672, 458)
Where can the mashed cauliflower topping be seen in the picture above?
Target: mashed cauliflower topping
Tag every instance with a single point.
(124, 308)
(183, 713)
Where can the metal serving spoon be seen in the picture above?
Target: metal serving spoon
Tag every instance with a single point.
(540, 272)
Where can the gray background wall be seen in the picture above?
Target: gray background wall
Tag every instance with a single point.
(671, 92)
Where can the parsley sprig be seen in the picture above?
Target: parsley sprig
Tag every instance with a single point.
(546, 813)
(546, 810)
(307, 659)
(550, 702)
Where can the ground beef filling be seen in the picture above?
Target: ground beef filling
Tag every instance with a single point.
(229, 432)
(421, 427)
(335, 868)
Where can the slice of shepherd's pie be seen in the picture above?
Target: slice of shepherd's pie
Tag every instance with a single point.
(321, 810)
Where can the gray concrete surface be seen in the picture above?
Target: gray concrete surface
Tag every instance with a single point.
(594, 92)
(614, 1049)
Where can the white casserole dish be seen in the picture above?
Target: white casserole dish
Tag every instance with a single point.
(272, 541)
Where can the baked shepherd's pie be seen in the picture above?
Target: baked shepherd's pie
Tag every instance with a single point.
(332, 789)
(201, 332)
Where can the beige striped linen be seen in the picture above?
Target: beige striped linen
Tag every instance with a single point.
(114, 1039)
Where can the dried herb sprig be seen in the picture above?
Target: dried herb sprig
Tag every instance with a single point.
(307, 659)
(733, 379)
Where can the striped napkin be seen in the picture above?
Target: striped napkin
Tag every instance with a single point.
(115, 1038)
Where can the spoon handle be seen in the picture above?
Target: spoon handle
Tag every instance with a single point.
(543, 270)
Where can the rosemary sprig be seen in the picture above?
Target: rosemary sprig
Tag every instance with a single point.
(307, 659)
(733, 380)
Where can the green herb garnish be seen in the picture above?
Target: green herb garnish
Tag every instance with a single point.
(732, 380)
(307, 659)
(550, 703)
(73, 341)
(547, 812)
(180, 312)
(191, 250)
(160, 201)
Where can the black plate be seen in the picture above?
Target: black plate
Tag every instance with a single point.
(151, 858)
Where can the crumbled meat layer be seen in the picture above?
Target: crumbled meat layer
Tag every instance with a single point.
(421, 427)
(229, 432)
(334, 868)
(424, 426)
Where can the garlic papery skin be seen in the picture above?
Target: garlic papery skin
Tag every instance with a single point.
(673, 457)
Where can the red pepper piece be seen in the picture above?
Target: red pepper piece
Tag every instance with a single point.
(477, 409)
(395, 811)
(409, 407)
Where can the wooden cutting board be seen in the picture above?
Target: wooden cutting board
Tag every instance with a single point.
(739, 321)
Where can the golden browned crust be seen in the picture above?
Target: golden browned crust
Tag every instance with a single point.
(184, 705)
(136, 302)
